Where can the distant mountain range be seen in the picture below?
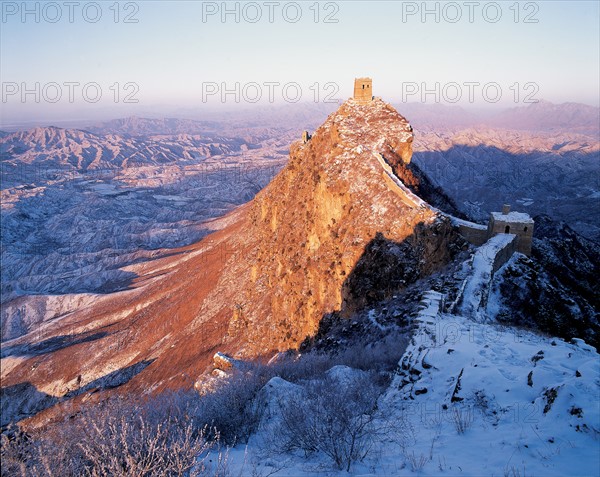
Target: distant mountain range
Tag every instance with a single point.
(542, 116)
(546, 116)
(136, 126)
(73, 149)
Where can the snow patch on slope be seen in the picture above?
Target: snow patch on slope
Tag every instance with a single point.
(523, 402)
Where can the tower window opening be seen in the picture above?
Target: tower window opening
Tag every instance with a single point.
(507, 229)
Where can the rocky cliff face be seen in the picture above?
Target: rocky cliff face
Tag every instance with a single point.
(321, 237)
(312, 225)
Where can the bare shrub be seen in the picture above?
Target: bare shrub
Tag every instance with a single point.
(131, 446)
(24, 455)
(514, 471)
(118, 439)
(381, 357)
(334, 416)
(416, 462)
(229, 410)
(461, 418)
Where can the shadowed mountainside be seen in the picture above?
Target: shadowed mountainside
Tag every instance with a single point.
(552, 175)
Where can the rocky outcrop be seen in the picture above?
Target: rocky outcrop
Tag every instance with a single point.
(316, 225)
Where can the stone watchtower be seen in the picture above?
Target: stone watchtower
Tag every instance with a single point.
(363, 90)
(517, 223)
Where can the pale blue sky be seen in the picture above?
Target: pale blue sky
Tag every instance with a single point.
(170, 52)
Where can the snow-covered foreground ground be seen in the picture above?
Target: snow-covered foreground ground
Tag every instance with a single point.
(470, 399)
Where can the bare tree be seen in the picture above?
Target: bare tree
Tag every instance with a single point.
(335, 416)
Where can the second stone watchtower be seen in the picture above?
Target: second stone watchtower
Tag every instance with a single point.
(363, 90)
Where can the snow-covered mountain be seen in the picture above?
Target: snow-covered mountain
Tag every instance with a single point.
(346, 281)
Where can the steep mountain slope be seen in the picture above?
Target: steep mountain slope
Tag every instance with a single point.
(317, 217)
(260, 284)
